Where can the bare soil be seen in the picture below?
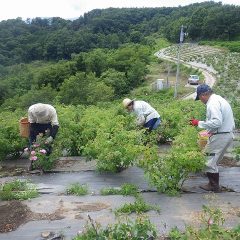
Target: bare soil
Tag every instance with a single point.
(12, 215)
(74, 164)
(11, 171)
(229, 162)
(15, 213)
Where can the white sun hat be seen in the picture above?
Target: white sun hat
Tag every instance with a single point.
(41, 110)
(126, 102)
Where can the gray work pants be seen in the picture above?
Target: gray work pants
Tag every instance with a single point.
(216, 147)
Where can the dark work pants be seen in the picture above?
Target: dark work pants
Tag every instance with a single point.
(36, 128)
(151, 123)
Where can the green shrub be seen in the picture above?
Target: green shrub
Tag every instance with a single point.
(10, 141)
(69, 137)
(39, 153)
(167, 173)
(110, 138)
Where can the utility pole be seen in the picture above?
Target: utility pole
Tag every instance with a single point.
(168, 68)
(182, 34)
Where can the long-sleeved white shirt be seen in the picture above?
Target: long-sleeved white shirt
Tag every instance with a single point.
(219, 116)
(144, 112)
(42, 113)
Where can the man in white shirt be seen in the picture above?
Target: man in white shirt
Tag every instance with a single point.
(220, 125)
(147, 116)
(42, 117)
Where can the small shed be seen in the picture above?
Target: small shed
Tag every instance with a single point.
(159, 84)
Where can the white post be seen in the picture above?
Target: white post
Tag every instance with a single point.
(178, 61)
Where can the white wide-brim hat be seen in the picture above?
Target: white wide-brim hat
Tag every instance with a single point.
(126, 102)
(41, 110)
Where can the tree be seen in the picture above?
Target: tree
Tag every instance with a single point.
(73, 90)
(136, 74)
(136, 36)
(99, 92)
(116, 80)
(43, 95)
(84, 89)
(55, 75)
(96, 61)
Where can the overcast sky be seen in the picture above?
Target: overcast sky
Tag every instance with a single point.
(70, 9)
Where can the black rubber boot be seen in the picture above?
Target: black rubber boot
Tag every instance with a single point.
(213, 184)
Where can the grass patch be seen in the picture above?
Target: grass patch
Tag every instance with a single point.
(233, 46)
(160, 43)
(139, 206)
(77, 189)
(18, 190)
(126, 190)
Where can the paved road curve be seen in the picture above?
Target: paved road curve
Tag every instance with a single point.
(209, 73)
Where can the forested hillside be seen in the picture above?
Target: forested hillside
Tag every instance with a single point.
(105, 49)
(56, 38)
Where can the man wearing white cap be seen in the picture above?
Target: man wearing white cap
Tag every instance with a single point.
(147, 116)
(42, 117)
